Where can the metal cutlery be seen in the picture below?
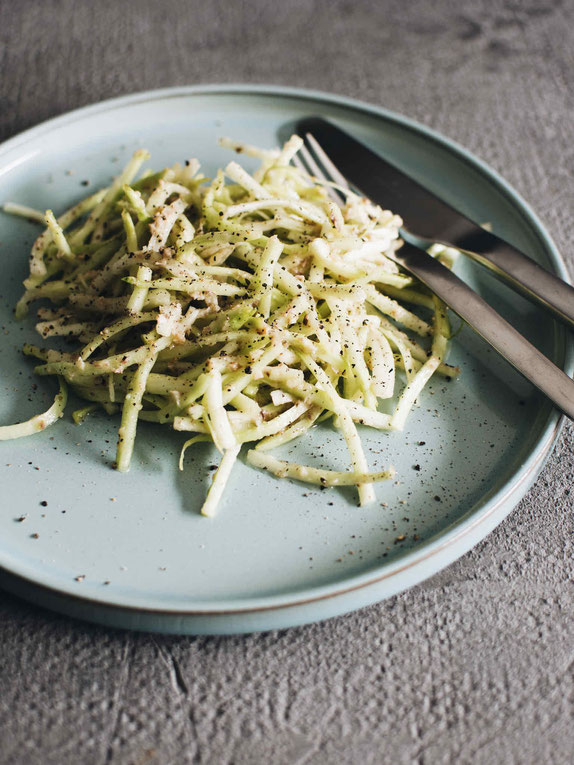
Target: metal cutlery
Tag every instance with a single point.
(470, 306)
(427, 217)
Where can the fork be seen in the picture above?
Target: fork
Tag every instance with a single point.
(457, 295)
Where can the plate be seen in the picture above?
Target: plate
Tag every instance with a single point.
(130, 550)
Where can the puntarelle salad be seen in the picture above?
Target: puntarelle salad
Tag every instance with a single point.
(241, 309)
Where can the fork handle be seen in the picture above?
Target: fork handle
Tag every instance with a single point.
(476, 312)
(511, 265)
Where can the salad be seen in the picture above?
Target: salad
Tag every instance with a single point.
(240, 309)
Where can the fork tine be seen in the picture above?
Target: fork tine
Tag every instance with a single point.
(327, 163)
(296, 160)
(313, 169)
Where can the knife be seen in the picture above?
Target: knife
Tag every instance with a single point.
(427, 217)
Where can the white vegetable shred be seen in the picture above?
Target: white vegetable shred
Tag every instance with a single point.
(245, 308)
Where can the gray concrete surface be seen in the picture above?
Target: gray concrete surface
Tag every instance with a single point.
(475, 665)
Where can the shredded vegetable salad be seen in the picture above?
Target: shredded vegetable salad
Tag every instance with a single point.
(241, 309)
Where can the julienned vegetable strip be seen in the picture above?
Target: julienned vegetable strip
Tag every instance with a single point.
(409, 395)
(283, 469)
(219, 481)
(40, 421)
(217, 419)
(133, 404)
(358, 460)
(244, 312)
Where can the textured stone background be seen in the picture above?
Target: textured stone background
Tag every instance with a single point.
(475, 665)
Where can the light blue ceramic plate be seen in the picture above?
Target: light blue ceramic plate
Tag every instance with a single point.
(278, 553)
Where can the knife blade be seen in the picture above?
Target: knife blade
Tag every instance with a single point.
(427, 217)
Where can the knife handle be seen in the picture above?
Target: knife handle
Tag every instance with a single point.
(513, 266)
(476, 312)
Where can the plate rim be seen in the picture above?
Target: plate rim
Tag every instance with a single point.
(460, 529)
(401, 566)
